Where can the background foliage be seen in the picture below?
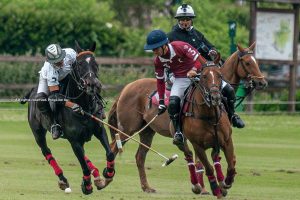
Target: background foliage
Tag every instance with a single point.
(118, 27)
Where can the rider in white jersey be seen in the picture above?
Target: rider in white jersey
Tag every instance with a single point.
(57, 66)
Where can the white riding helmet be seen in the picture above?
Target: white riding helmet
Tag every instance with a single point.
(185, 10)
(54, 53)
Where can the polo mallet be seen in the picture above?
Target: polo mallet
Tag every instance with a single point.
(166, 163)
(142, 128)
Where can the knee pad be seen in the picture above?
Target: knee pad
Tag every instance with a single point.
(42, 102)
(174, 105)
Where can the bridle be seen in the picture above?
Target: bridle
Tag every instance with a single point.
(81, 83)
(249, 76)
(80, 80)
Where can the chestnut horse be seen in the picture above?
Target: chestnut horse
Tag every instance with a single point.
(130, 113)
(206, 125)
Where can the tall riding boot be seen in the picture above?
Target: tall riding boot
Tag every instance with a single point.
(236, 121)
(55, 129)
(174, 110)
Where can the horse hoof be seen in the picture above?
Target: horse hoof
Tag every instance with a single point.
(87, 189)
(108, 181)
(63, 185)
(149, 190)
(224, 192)
(196, 188)
(99, 183)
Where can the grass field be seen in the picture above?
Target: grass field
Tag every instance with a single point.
(267, 151)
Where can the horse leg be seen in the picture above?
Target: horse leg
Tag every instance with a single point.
(231, 161)
(196, 187)
(109, 171)
(216, 190)
(217, 165)
(98, 181)
(40, 138)
(86, 185)
(199, 172)
(146, 137)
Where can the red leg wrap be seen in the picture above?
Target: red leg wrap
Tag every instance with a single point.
(54, 165)
(191, 166)
(94, 170)
(214, 185)
(200, 171)
(218, 168)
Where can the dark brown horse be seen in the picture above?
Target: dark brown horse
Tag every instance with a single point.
(130, 113)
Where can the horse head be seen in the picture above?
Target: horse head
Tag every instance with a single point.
(86, 70)
(211, 81)
(248, 68)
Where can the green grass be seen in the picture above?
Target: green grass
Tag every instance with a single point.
(267, 153)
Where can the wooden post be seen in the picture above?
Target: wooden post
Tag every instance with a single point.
(293, 67)
(252, 36)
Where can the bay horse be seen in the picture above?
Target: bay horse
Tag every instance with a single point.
(130, 113)
(82, 87)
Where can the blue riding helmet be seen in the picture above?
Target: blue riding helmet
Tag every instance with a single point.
(155, 39)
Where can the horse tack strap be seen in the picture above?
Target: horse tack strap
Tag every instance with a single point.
(84, 52)
(241, 54)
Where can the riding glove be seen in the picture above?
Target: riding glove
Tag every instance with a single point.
(162, 107)
(76, 108)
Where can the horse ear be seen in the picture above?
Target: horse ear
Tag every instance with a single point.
(252, 46)
(93, 47)
(77, 47)
(240, 48)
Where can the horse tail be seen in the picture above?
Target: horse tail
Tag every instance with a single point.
(26, 97)
(113, 118)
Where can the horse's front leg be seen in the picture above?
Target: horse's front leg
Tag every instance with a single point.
(86, 185)
(109, 171)
(40, 138)
(216, 190)
(231, 160)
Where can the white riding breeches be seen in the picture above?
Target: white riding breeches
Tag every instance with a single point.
(179, 86)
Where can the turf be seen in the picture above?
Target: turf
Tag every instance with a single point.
(267, 153)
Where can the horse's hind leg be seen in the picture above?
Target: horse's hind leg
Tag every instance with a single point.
(196, 187)
(199, 172)
(109, 171)
(40, 138)
(146, 137)
(86, 185)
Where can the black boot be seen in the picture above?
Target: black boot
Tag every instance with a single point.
(174, 109)
(55, 129)
(236, 121)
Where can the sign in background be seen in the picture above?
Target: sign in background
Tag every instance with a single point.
(274, 36)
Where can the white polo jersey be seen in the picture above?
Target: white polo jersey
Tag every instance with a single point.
(53, 75)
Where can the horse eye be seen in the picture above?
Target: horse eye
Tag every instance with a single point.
(204, 76)
(247, 63)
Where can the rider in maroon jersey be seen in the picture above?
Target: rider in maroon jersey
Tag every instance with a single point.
(184, 61)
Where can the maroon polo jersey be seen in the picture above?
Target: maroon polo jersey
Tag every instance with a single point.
(180, 58)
